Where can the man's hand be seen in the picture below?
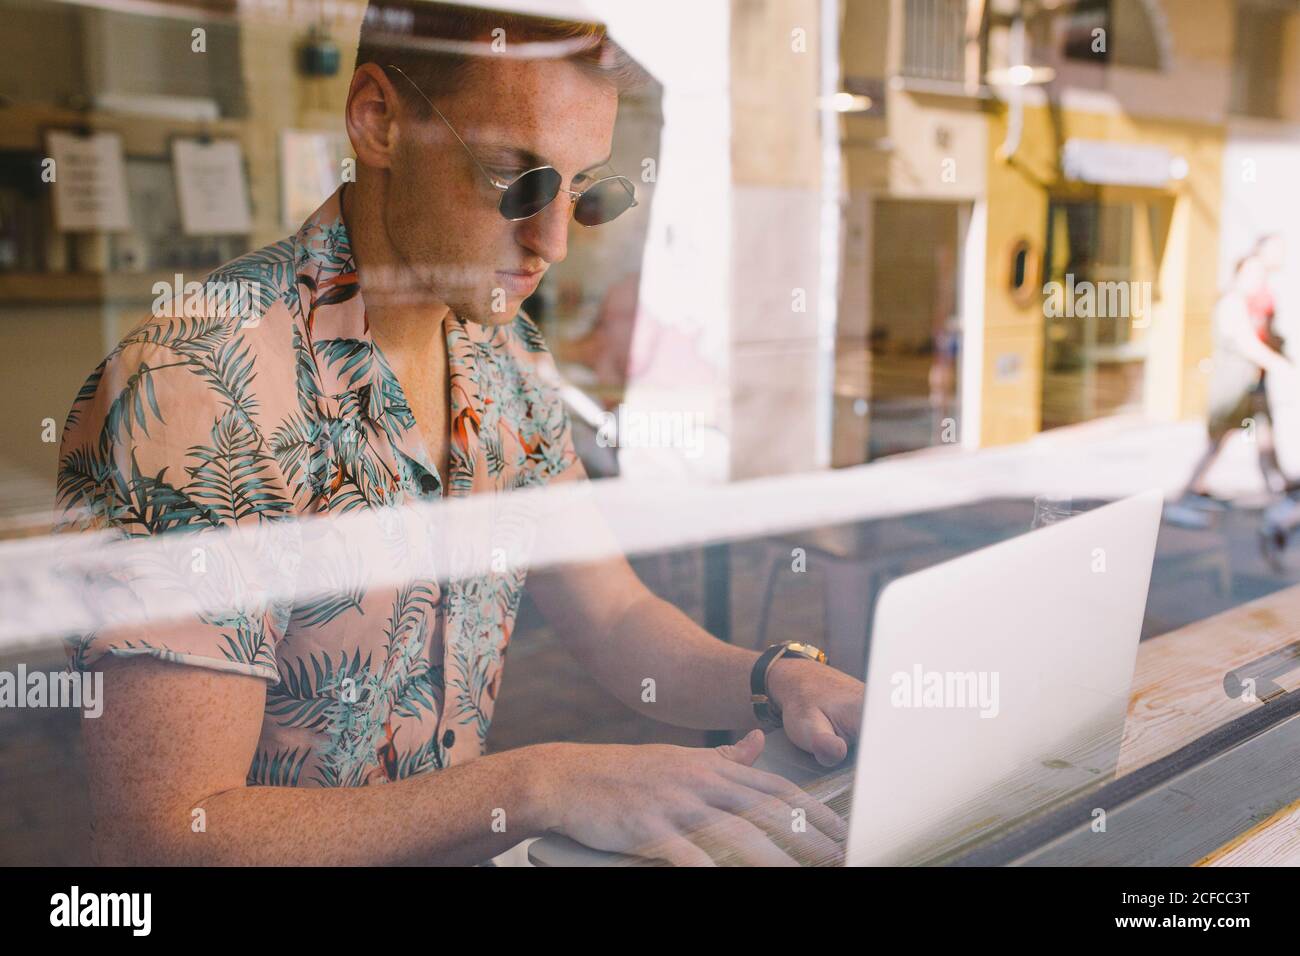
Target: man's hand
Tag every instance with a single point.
(689, 806)
(821, 707)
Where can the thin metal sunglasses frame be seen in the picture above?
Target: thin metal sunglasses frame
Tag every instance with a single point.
(574, 194)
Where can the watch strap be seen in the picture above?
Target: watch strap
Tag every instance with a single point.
(765, 709)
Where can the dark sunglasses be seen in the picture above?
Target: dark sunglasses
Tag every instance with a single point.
(534, 190)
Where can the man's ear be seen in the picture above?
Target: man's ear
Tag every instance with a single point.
(372, 110)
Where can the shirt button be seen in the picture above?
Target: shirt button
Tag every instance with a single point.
(428, 484)
(448, 739)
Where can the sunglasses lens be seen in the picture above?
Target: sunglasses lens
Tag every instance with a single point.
(604, 201)
(530, 193)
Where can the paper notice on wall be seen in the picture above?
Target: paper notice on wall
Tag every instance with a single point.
(210, 187)
(89, 182)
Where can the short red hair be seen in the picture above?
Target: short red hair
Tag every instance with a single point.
(436, 44)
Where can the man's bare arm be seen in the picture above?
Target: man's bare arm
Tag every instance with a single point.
(174, 739)
(623, 634)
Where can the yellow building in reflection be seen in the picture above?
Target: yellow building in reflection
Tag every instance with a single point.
(1044, 200)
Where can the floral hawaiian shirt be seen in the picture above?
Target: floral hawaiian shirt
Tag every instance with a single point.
(201, 420)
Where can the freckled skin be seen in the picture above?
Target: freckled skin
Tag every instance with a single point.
(174, 739)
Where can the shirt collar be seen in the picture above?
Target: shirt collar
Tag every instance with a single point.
(335, 316)
(326, 267)
(335, 311)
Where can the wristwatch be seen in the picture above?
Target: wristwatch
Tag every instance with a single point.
(765, 708)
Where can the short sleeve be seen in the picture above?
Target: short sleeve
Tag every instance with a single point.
(163, 454)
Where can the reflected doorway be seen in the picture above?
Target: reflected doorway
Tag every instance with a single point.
(914, 334)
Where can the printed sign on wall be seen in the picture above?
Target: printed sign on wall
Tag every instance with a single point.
(210, 187)
(89, 182)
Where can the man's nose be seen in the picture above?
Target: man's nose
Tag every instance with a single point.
(547, 233)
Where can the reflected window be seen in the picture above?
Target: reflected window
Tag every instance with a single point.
(1098, 297)
(1119, 32)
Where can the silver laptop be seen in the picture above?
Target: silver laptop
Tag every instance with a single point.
(997, 686)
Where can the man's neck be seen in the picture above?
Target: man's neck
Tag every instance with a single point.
(404, 317)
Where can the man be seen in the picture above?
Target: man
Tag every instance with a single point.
(1248, 351)
(1262, 305)
(266, 723)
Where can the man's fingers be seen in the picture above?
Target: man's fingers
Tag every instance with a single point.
(745, 750)
(729, 839)
(789, 827)
(829, 748)
(675, 849)
(822, 816)
(812, 731)
(734, 839)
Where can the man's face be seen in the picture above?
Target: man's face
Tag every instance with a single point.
(441, 211)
